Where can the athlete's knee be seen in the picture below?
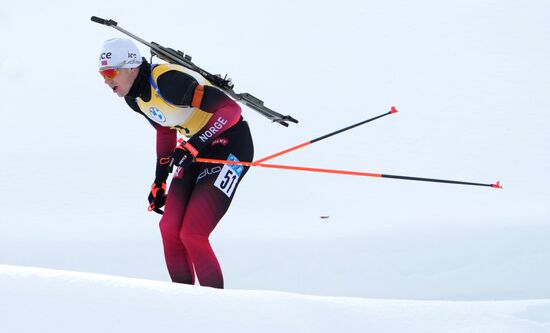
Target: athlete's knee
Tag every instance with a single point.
(192, 239)
(168, 228)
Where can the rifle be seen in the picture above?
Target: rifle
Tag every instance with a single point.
(226, 84)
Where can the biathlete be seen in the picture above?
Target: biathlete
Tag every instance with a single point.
(176, 100)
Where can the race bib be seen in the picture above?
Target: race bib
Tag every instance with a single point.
(229, 176)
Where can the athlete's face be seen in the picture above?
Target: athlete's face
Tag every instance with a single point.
(122, 81)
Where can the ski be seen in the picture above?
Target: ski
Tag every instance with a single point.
(178, 57)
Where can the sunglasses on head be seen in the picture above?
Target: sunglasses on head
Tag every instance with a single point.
(109, 73)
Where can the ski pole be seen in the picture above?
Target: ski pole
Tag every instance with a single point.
(392, 110)
(344, 172)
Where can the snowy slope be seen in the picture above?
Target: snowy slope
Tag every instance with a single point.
(35, 299)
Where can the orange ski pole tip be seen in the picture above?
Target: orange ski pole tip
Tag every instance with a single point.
(393, 109)
(497, 185)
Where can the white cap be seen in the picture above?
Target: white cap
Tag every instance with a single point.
(119, 53)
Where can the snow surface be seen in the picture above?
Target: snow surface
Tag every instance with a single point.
(86, 302)
(470, 79)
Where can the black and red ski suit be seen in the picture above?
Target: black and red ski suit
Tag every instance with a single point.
(199, 196)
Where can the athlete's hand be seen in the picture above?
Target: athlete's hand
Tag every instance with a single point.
(157, 197)
(183, 155)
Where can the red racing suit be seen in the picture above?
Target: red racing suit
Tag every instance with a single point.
(175, 99)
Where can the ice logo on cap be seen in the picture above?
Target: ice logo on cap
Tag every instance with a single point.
(157, 114)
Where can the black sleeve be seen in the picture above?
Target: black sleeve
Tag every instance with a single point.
(177, 87)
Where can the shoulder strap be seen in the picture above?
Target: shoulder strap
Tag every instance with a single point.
(197, 96)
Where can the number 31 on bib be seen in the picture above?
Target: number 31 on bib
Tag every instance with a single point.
(229, 176)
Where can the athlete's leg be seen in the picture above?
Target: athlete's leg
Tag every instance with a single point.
(206, 208)
(210, 200)
(177, 258)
